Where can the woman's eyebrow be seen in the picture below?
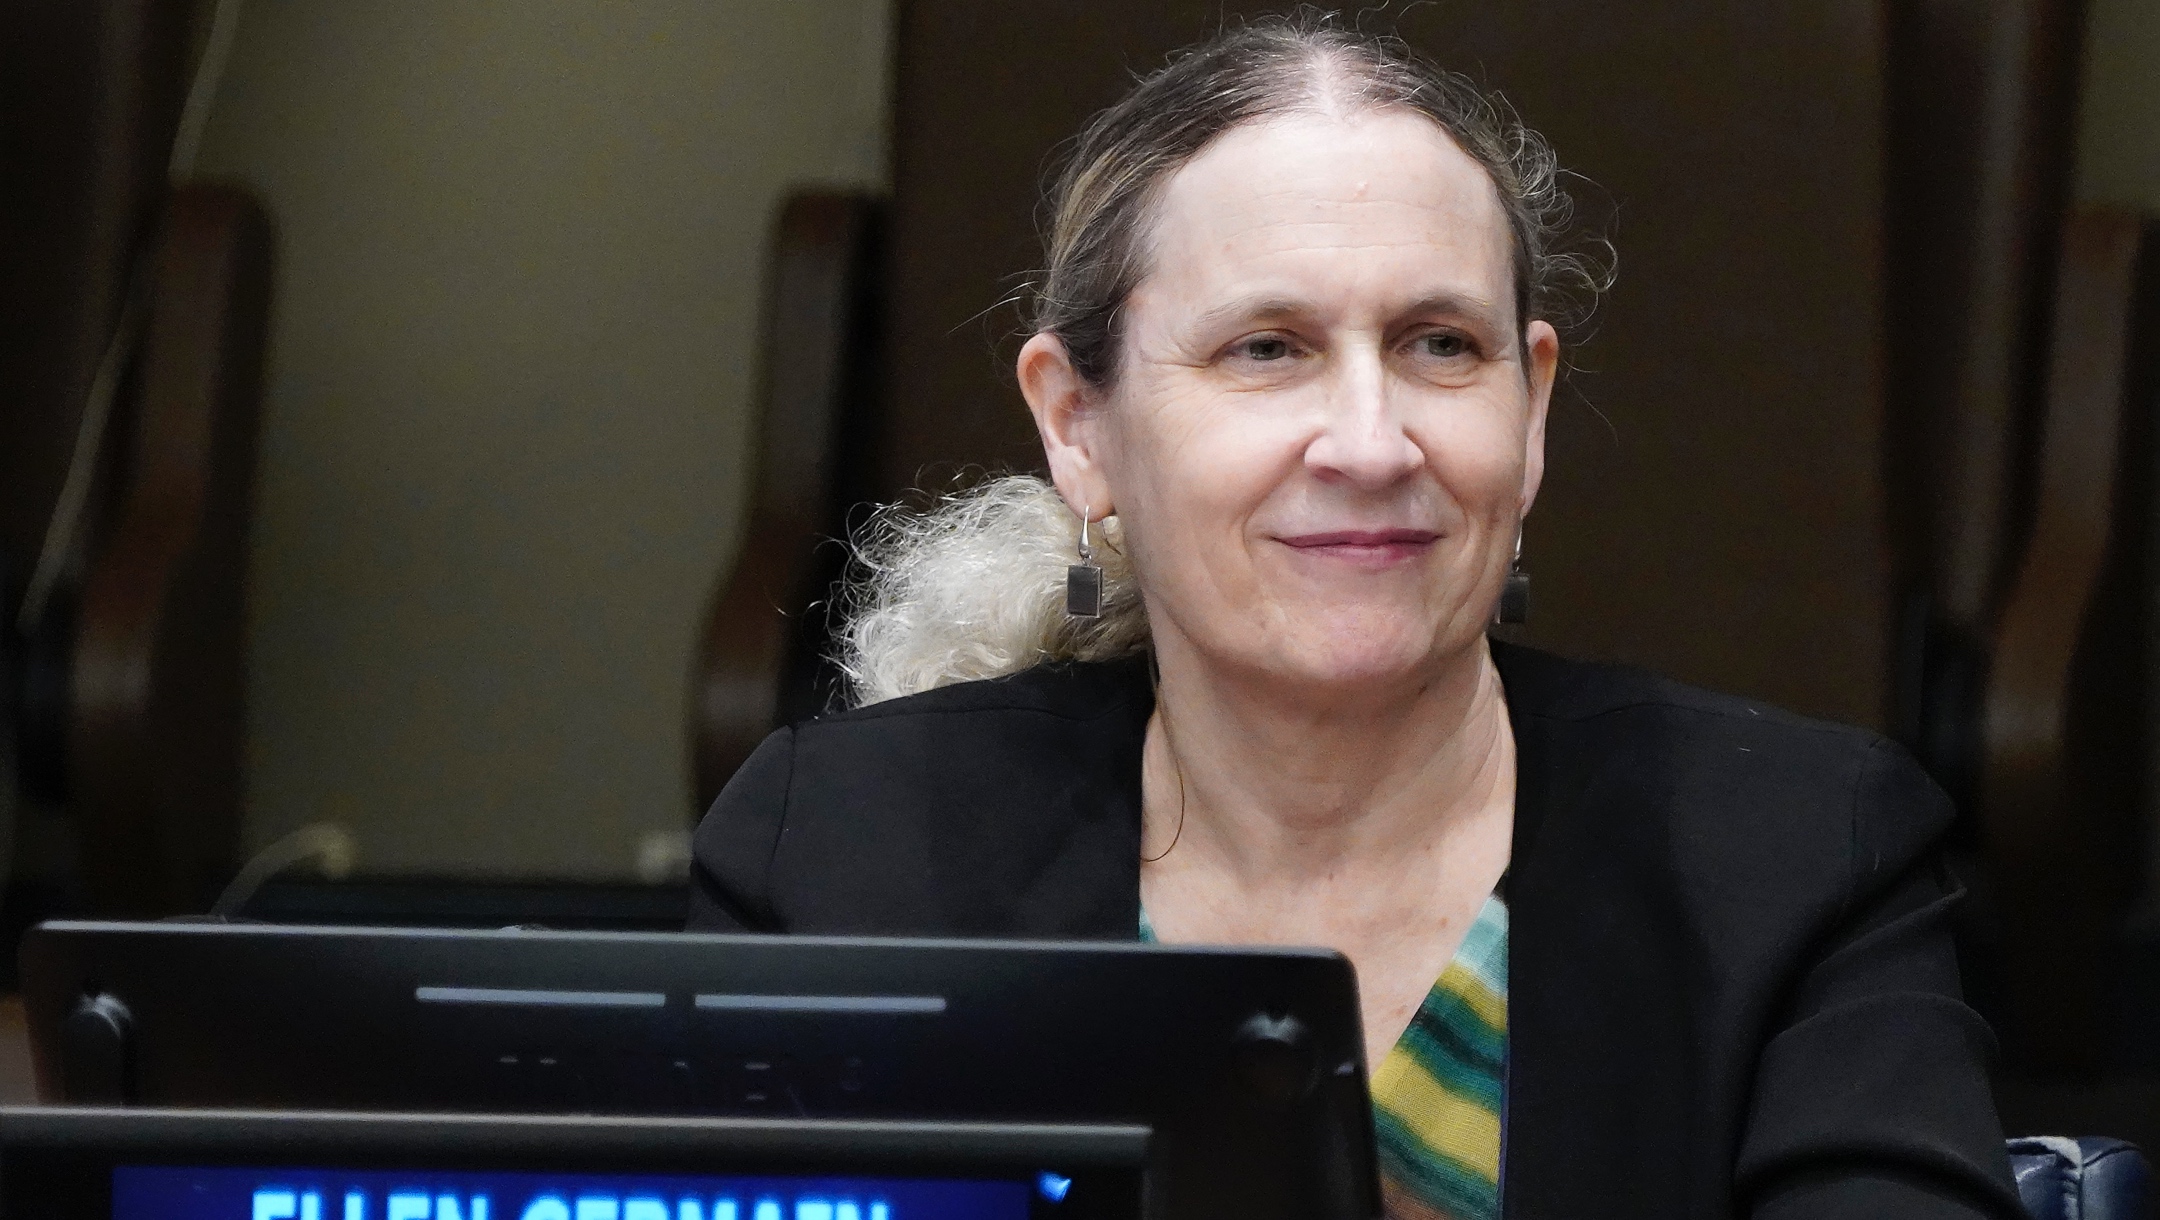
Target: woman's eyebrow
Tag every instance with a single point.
(1251, 309)
(1269, 308)
(1456, 303)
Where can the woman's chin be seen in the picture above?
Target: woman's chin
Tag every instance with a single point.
(1349, 661)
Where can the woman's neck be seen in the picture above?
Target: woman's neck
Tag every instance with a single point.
(1283, 786)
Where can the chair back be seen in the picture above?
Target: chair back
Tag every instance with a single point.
(760, 656)
(133, 316)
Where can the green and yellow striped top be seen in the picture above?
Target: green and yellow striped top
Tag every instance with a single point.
(1438, 1098)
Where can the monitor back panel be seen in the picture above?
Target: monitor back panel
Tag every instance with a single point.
(1234, 1057)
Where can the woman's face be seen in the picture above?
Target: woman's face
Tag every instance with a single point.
(1325, 428)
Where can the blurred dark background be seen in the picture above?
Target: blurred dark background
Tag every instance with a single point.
(424, 426)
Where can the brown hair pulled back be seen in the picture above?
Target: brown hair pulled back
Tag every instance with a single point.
(1098, 206)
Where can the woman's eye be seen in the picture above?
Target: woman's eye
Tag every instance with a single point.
(1444, 345)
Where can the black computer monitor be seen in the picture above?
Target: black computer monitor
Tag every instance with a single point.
(146, 1164)
(1246, 1064)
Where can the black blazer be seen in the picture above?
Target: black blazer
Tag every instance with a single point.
(1731, 984)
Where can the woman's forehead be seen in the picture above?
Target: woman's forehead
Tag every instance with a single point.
(1330, 204)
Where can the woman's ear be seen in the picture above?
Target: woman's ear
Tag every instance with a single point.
(1066, 414)
(1541, 360)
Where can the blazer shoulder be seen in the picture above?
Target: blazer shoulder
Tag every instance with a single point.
(1073, 690)
(1725, 750)
(733, 845)
(1551, 687)
(1008, 806)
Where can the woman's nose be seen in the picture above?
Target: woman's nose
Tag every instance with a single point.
(1362, 438)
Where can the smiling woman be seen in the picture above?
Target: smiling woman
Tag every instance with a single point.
(1674, 953)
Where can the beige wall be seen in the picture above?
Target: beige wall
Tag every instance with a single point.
(512, 352)
(2119, 140)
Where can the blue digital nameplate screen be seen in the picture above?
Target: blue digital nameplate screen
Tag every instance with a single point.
(166, 1193)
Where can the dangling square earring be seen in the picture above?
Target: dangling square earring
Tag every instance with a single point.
(1083, 580)
(1514, 608)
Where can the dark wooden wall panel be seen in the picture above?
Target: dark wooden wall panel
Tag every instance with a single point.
(89, 96)
(1714, 507)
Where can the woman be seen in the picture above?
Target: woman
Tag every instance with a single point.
(1291, 365)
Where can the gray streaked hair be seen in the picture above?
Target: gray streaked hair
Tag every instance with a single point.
(973, 587)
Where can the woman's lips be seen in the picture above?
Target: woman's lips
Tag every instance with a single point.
(1365, 548)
